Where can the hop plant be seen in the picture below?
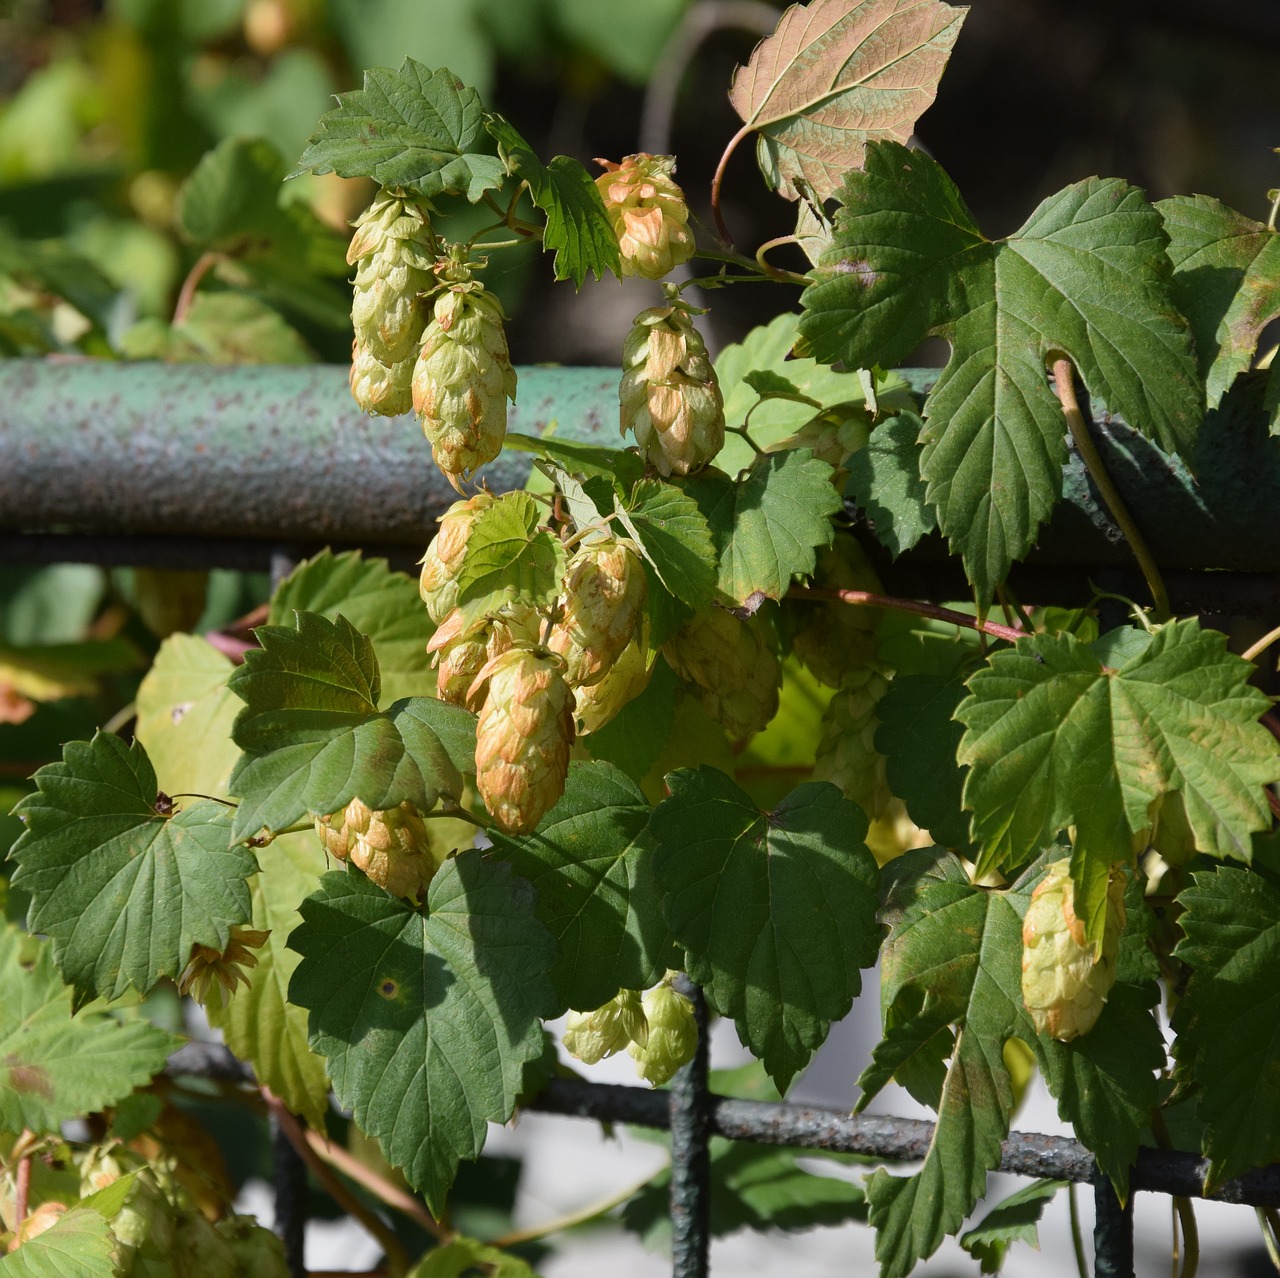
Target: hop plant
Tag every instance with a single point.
(847, 754)
(830, 638)
(591, 1036)
(604, 597)
(648, 213)
(394, 252)
(523, 735)
(673, 1034)
(463, 644)
(219, 972)
(732, 667)
(1066, 979)
(442, 563)
(463, 377)
(669, 396)
(381, 389)
(392, 846)
(257, 1252)
(598, 703)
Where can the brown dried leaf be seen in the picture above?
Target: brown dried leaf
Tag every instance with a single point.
(835, 74)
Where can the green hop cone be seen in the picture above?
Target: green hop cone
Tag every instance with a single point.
(394, 251)
(199, 1251)
(597, 704)
(648, 213)
(847, 754)
(731, 666)
(381, 389)
(605, 590)
(442, 564)
(392, 847)
(591, 1036)
(672, 1037)
(831, 637)
(463, 379)
(463, 644)
(1065, 979)
(669, 396)
(523, 736)
(257, 1252)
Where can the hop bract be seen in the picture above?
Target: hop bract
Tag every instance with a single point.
(463, 644)
(598, 703)
(391, 846)
(523, 735)
(672, 1038)
(463, 379)
(211, 972)
(648, 213)
(442, 564)
(669, 396)
(732, 667)
(383, 389)
(605, 592)
(591, 1036)
(1065, 979)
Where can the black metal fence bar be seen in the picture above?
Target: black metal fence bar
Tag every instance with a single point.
(687, 1111)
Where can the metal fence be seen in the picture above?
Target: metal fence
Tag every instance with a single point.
(254, 468)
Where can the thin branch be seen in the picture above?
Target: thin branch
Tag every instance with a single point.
(1077, 1235)
(1255, 650)
(21, 1192)
(187, 294)
(397, 1257)
(1064, 384)
(867, 599)
(579, 1217)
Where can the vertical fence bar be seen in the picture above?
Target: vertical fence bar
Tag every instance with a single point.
(1112, 1231)
(690, 1159)
(290, 1175)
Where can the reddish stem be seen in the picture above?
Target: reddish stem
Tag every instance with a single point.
(203, 264)
(21, 1192)
(865, 598)
(721, 229)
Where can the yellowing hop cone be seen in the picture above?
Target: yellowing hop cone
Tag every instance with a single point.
(605, 592)
(442, 564)
(598, 703)
(391, 846)
(648, 213)
(462, 645)
(591, 1036)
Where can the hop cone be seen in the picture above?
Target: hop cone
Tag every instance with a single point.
(391, 846)
(832, 638)
(605, 592)
(1065, 979)
(591, 1036)
(672, 1037)
(463, 645)
(847, 754)
(258, 1253)
(442, 564)
(463, 379)
(626, 679)
(218, 972)
(732, 666)
(381, 389)
(669, 395)
(393, 251)
(648, 213)
(523, 736)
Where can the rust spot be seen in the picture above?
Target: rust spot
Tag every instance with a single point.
(28, 1079)
(388, 988)
(858, 267)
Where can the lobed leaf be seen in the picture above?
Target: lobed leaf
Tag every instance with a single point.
(79, 1244)
(428, 1020)
(413, 128)
(836, 74)
(1086, 275)
(1016, 1219)
(123, 891)
(884, 479)
(674, 536)
(775, 910)
(56, 1066)
(508, 552)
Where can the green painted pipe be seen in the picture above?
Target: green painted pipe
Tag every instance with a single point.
(280, 453)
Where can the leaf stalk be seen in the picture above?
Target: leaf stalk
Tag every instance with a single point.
(868, 599)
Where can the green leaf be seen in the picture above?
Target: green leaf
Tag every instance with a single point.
(413, 128)
(919, 736)
(673, 535)
(122, 891)
(467, 1256)
(768, 525)
(578, 228)
(313, 738)
(1054, 739)
(884, 479)
(634, 737)
(591, 865)
(1086, 275)
(259, 1024)
(508, 553)
(1016, 1219)
(835, 75)
(620, 467)
(1228, 1018)
(220, 328)
(429, 1021)
(1226, 281)
(232, 193)
(185, 713)
(55, 1066)
(775, 910)
(78, 1245)
(381, 604)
